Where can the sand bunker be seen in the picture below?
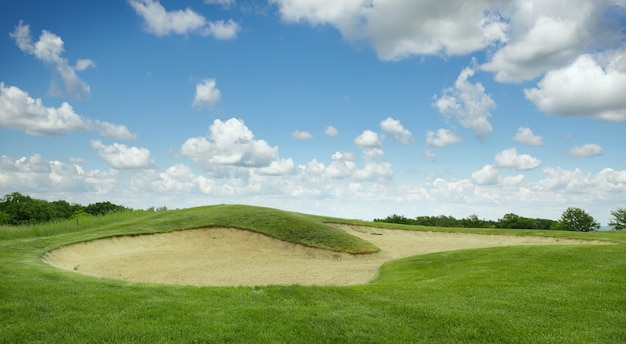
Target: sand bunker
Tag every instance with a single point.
(232, 257)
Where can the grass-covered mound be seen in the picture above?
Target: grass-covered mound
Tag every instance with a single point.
(293, 227)
(288, 226)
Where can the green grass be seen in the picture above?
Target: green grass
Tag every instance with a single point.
(529, 294)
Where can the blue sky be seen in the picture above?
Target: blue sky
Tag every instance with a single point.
(358, 108)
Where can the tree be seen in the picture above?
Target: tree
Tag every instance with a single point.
(576, 219)
(103, 208)
(519, 222)
(619, 219)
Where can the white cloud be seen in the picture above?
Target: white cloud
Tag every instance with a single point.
(221, 29)
(207, 94)
(21, 112)
(343, 166)
(509, 158)
(441, 138)
(161, 22)
(394, 128)
(123, 157)
(230, 143)
(488, 175)
(331, 131)
(468, 103)
(589, 149)
(399, 29)
(568, 180)
(220, 2)
(368, 139)
(35, 174)
(592, 86)
(178, 178)
(49, 49)
(83, 64)
(117, 131)
(525, 135)
(546, 35)
(316, 188)
(380, 171)
(278, 167)
(301, 135)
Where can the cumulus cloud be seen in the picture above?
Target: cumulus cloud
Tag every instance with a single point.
(343, 165)
(224, 30)
(301, 135)
(36, 174)
(49, 49)
(368, 139)
(230, 143)
(207, 94)
(370, 143)
(123, 157)
(331, 131)
(178, 178)
(159, 21)
(399, 29)
(509, 158)
(83, 64)
(546, 35)
(394, 128)
(488, 175)
(592, 86)
(116, 131)
(380, 171)
(523, 38)
(579, 181)
(589, 149)
(525, 135)
(278, 167)
(441, 138)
(21, 112)
(467, 103)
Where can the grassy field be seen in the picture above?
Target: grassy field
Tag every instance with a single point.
(529, 294)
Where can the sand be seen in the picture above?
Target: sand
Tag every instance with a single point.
(232, 257)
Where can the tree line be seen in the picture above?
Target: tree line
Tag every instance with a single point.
(572, 219)
(18, 209)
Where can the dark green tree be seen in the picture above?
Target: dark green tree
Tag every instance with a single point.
(103, 208)
(473, 221)
(619, 219)
(4, 218)
(576, 219)
(22, 209)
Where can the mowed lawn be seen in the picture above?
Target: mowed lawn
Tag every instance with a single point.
(525, 294)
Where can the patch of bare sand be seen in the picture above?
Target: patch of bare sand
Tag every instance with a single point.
(232, 257)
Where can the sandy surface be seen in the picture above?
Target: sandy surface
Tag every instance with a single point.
(232, 257)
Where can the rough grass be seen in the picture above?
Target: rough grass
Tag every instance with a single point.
(288, 226)
(554, 294)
